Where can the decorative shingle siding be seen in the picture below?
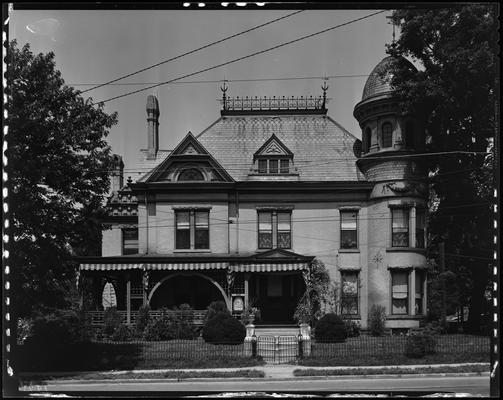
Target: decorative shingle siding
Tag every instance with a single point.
(323, 151)
(399, 169)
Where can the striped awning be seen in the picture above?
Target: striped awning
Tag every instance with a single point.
(269, 267)
(193, 266)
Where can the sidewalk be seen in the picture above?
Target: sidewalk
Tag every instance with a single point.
(271, 371)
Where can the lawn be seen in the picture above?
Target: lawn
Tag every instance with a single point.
(389, 350)
(394, 370)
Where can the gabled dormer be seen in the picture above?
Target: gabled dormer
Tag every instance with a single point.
(189, 162)
(273, 158)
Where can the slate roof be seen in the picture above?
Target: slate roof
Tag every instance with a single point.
(378, 81)
(323, 150)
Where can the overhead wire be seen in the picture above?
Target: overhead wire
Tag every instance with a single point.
(241, 58)
(194, 50)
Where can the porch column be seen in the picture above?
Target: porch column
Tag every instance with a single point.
(145, 287)
(247, 292)
(412, 291)
(128, 298)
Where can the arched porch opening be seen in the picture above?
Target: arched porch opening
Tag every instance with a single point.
(193, 288)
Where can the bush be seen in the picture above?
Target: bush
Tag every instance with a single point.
(112, 320)
(59, 327)
(330, 329)
(214, 308)
(377, 320)
(302, 313)
(121, 334)
(352, 328)
(420, 343)
(223, 328)
(142, 320)
(172, 324)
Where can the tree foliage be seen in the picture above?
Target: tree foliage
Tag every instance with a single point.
(454, 93)
(58, 162)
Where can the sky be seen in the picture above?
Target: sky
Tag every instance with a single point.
(96, 46)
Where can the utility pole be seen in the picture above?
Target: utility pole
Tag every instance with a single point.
(443, 319)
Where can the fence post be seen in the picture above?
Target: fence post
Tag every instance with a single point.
(254, 345)
(301, 347)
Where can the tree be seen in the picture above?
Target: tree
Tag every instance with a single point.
(58, 162)
(454, 93)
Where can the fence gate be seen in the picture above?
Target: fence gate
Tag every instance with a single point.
(278, 349)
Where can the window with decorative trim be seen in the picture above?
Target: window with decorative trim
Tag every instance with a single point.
(399, 292)
(192, 229)
(400, 227)
(349, 293)
(274, 229)
(387, 135)
(190, 174)
(349, 229)
(273, 166)
(129, 241)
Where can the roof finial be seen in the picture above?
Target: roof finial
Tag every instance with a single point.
(393, 22)
(324, 88)
(224, 97)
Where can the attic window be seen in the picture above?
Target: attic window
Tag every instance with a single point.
(191, 174)
(273, 166)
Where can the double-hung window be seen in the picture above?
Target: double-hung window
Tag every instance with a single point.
(192, 229)
(130, 241)
(265, 230)
(400, 227)
(349, 292)
(387, 135)
(400, 292)
(419, 281)
(420, 227)
(349, 231)
(274, 229)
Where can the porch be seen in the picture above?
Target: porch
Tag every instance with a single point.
(271, 282)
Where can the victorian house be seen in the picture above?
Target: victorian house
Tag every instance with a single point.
(239, 211)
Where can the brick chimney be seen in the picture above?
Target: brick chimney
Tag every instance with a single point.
(117, 180)
(153, 126)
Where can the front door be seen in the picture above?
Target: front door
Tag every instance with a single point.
(277, 296)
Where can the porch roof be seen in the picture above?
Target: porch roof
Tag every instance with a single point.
(268, 261)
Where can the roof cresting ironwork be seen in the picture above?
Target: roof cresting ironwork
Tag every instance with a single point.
(257, 105)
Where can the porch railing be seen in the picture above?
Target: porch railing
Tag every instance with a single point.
(97, 317)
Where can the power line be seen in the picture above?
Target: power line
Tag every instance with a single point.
(290, 78)
(194, 51)
(242, 58)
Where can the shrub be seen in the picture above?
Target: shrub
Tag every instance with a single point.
(302, 313)
(121, 334)
(330, 329)
(59, 327)
(142, 320)
(352, 328)
(161, 328)
(377, 320)
(223, 328)
(112, 320)
(214, 308)
(172, 324)
(183, 319)
(421, 341)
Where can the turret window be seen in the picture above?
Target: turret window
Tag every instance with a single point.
(387, 135)
(366, 140)
(400, 227)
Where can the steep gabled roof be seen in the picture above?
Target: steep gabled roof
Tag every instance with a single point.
(189, 149)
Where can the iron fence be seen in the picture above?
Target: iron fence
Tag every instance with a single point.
(396, 345)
